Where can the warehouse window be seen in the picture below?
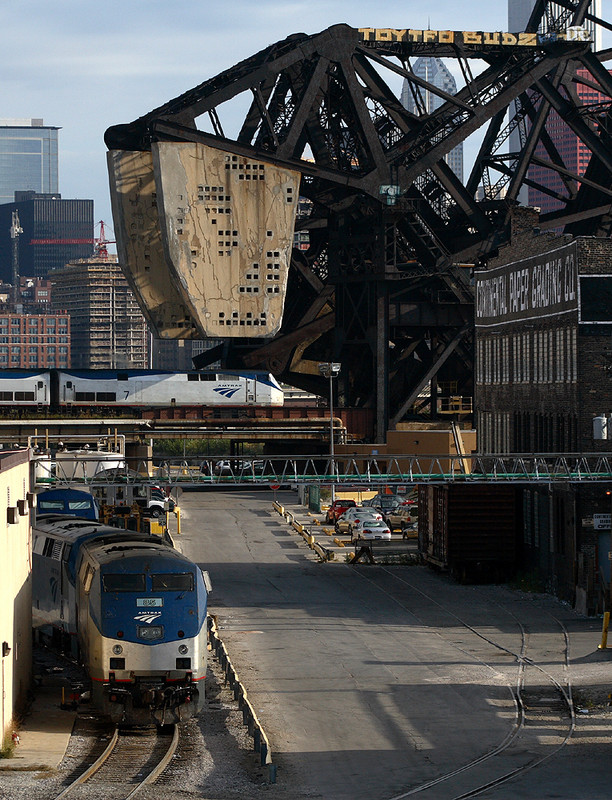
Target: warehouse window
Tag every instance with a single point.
(595, 298)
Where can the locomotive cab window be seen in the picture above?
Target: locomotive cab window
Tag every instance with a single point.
(172, 582)
(119, 582)
(50, 505)
(79, 505)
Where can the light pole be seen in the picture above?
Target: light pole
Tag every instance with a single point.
(330, 369)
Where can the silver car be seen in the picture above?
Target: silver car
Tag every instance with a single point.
(345, 521)
(370, 529)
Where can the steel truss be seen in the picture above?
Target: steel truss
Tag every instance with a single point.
(380, 287)
(398, 470)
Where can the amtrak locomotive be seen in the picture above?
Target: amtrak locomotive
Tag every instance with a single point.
(63, 389)
(133, 610)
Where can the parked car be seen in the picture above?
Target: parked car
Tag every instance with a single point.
(370, 529)
(343, 523)
(385, 502)
(337, 508)
(402, 516)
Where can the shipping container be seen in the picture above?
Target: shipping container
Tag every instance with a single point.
(471, 531)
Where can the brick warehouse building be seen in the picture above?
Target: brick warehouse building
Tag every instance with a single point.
(543, 316)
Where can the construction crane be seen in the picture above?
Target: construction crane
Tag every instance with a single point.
(100, 249)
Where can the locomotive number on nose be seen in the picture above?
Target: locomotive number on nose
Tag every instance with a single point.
(149, 602)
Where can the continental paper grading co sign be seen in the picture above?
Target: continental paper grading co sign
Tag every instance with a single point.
(478, 38)
(536, 287)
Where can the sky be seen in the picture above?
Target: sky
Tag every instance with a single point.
(84, 67)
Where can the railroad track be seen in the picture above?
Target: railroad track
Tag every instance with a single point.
(538, 679)
(131, 761)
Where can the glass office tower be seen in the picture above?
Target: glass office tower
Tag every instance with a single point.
(435, 72)
(28, 158)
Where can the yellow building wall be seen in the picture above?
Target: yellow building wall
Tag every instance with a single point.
(15, 586)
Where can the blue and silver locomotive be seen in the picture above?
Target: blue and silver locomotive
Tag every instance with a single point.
(134, 611)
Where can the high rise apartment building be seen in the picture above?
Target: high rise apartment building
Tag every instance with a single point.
(28, 158)
(108, 328)
(434, 71)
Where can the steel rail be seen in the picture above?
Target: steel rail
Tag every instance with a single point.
(93, 768)
(150, 778)
(523, 662)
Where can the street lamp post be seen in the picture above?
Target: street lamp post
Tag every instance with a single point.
(330, 369)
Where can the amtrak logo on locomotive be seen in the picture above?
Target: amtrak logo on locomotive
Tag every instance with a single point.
(147, 616)
(226, 391)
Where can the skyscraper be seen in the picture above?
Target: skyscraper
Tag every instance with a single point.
(55, 231)
(28, 158)
(433, 70)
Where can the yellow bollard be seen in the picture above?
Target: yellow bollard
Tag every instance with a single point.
(604, 631)
(177, 511)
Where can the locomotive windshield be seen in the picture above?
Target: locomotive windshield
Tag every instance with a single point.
(128, 582)
(172, 582)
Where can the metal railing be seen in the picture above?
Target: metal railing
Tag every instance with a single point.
(344, 470)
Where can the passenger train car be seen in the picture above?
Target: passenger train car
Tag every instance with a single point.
(62, 389)
(133, 610)
(25, 387)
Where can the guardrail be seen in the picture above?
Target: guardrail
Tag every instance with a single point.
(351, 471)
(261, 743)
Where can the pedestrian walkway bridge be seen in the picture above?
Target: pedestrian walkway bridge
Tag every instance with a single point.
(341, 471)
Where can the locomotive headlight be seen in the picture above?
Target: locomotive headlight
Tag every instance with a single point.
(183, 649)
(117, 649)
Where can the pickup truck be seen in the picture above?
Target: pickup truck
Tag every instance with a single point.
(337, 508)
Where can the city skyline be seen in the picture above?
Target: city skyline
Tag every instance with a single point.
(60, 65)
(84, 75)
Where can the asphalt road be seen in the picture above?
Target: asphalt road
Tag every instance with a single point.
(372, 682)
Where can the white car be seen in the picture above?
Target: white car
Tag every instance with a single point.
(345, 521)
(370, 529)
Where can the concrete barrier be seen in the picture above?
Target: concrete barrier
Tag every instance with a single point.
(322, 552)
(261, 743)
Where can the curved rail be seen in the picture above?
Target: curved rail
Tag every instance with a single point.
(91, 770)
(523, 663)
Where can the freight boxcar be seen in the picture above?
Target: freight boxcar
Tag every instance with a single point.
(471, 531)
